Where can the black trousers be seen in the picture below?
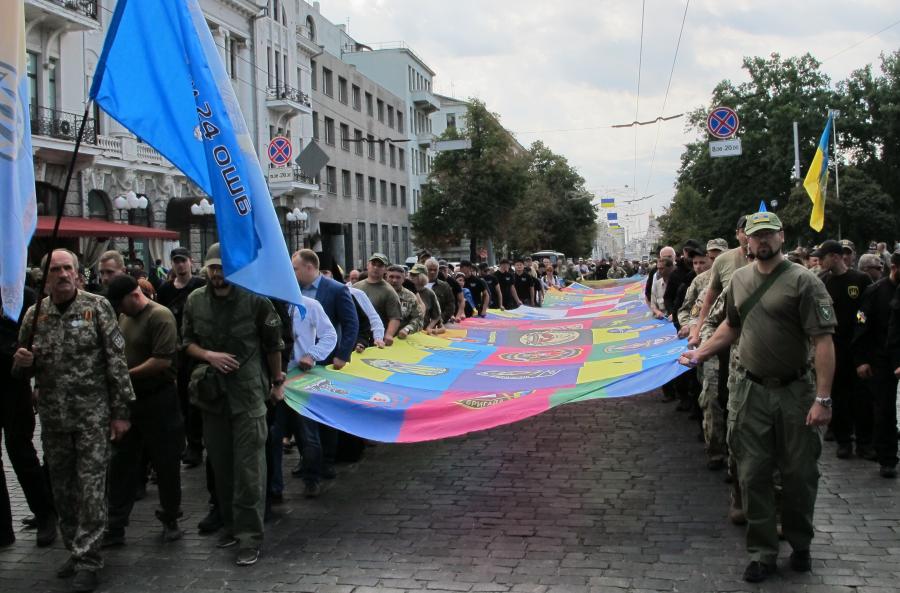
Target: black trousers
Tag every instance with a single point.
(193, 417)
(882, 388)
(17, 424)
(158, 429)
(852, 412)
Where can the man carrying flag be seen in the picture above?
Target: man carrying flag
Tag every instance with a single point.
(817, 178)
(175, 94)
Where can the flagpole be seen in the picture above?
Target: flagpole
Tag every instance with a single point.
(54, 236)
(837, 185)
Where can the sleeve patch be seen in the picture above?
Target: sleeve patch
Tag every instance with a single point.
(825, 312)
(116, 338)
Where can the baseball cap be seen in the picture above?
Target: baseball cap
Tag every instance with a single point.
(120, 287)
(848, 244)
(380, 257)
(717, 245)
(691, 246)
(214, 255)
(179, 252)
(829, 246)
(418, 269)
(760, 221)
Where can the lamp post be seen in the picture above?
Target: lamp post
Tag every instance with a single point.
(130, 203)
(296, 219)
(203, 210)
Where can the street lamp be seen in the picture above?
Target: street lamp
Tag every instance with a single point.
(130, 203)
(203, 210)
(296, 219)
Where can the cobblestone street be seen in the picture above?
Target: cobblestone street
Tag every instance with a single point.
(599, 496)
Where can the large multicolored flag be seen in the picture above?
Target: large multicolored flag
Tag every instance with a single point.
(582, 344)
(160, 75)
(816, 179)
(17, 192)
(607, 202)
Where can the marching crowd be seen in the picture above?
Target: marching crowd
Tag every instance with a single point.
(144, 373)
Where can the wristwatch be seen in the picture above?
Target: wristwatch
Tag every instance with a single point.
(824, 401)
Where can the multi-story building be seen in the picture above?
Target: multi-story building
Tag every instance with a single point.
(361, 126)
(266, 52)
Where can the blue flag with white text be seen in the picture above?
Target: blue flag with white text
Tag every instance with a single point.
(17, 192)
(161, 76)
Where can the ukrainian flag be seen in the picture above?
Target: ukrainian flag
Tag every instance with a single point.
(817, 179)
(607, 202)
(17, 193)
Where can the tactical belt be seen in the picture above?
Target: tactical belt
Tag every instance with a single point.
(775, 381)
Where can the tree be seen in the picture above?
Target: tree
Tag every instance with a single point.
(687, 218)
(470, 191)
(556, 211)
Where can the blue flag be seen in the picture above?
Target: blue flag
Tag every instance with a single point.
(17, 193)
(762, 206)
(160, 75)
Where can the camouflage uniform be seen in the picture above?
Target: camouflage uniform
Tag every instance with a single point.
(83, 383)
(412, 316)
(234, 405)
(615, 272)
(693, 299)
(711, 400)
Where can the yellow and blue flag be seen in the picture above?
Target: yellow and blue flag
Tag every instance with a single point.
(817, 179)
(17, 192)
(607, 202)
(174, 93)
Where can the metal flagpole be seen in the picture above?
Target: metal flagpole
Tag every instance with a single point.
(837, 185)
(54, 236)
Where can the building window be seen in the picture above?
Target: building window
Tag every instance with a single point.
(315, 117)
(345, 137)
(346, 188)
(51, 84)
(380, 110)
(329, 131)
(395, 239)
(401, 154)
(383, 187)
(399, 121)
(313, 75)
(372, 195)
(357, 141)
(357, 101)
(403, 196)
(370, 141)
(373, 238)
(369, 110)
(342, 90)
(361, 239)
(390, 117)
(331, 180)
(405, 241)
(360, 186)
(385, 241)
(393, 194)
(451, 120)
(233, 57)
(327, 84)
(392, 151)
(381, 158)
(31, 67)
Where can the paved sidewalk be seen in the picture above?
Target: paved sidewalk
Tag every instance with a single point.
(600, 496)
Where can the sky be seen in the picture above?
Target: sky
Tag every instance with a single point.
(562, 72)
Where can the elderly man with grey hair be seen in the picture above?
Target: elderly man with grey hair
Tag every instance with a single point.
(871, 264)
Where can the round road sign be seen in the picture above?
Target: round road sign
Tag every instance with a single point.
(280, 150)
(723, 122)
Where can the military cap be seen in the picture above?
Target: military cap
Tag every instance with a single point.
(214, 255)
(760, 221)
(380, 257)
(717, 245)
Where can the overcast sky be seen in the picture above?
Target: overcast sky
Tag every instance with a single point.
(562, 71)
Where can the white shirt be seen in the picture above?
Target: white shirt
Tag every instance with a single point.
(369, 309)
(657, 291)
(313, 334)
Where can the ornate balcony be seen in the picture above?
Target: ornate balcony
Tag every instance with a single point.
(64, 15)
(61, 125)
(286, 99)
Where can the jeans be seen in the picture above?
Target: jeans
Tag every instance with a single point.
(285, 421)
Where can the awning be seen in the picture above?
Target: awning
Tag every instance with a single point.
(71, 226)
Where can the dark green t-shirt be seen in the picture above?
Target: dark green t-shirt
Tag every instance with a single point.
(384, 298)
(151, 333)
(775, 336)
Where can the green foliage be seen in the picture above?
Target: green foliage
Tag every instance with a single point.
(779, 92)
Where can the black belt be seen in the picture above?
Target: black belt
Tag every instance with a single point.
(775, 381)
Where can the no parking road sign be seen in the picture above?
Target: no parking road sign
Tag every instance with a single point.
(722, 122)
(280, 150)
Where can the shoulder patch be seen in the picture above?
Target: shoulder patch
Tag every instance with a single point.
(116, 337)
(825, 311)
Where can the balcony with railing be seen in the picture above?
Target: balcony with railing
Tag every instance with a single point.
(61, 125)
(286, 99)
(70, 15)
(425, 100)
(305, 40)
